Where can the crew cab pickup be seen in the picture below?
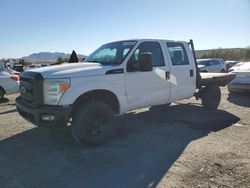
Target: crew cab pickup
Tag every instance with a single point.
(116, 78)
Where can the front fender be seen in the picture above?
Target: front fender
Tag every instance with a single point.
(79, 87)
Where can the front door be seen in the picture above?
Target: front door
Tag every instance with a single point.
(147, 88)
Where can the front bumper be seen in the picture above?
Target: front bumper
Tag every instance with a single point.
(61, 114)
(239, 87)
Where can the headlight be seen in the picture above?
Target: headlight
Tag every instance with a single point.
(53, 89)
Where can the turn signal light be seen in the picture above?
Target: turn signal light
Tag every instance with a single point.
(63, 87)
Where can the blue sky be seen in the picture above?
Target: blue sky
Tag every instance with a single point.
(29, 26)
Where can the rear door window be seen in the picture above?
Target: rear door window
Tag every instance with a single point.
(177, 53)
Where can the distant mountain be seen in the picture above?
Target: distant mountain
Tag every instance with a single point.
(48, 56)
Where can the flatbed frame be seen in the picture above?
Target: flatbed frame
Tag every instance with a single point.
(205, 79)
(220, 79)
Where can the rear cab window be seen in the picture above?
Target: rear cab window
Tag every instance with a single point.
(177, 53)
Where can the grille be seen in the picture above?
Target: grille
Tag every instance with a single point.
(27, 91)
(31, 88)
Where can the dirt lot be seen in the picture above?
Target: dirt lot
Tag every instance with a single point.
(180, 146)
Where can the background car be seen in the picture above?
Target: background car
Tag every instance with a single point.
(230, 64)
(242, 79)
(9, 83)
(7, 67)
(211, 65)
(235, 67)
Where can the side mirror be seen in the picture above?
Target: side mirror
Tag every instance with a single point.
(145, 60)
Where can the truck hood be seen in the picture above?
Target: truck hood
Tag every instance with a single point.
(73, 70)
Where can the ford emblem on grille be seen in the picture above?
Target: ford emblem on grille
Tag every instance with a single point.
(22, 90)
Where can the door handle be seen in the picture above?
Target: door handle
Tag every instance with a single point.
(191, 72)
(167, 76)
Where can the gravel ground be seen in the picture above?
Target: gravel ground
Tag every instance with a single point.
(178, 146)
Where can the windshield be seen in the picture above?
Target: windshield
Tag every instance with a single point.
(111, 53)
(203, 62)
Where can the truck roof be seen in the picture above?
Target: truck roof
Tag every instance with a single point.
(147, 39)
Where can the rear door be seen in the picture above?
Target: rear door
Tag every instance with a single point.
(182, 69)
(147, 88)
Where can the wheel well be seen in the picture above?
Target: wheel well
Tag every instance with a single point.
(102, 95)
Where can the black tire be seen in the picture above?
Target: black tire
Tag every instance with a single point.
(1, 93)
(211, 97)
(92, 123)
(222, 71)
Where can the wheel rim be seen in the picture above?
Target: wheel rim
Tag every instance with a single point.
(96, 125)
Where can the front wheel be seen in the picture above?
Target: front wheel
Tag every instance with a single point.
(92, 123)
(211, 97)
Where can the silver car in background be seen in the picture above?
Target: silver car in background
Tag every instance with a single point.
(230, 63)
(241, 83)
(9, 83)
(211, 65)
(235, 67)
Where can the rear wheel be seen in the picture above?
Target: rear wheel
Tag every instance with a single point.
(211, 97)
(1, 93)
(92, 123)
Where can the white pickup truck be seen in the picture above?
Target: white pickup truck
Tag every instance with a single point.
(116, 78)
